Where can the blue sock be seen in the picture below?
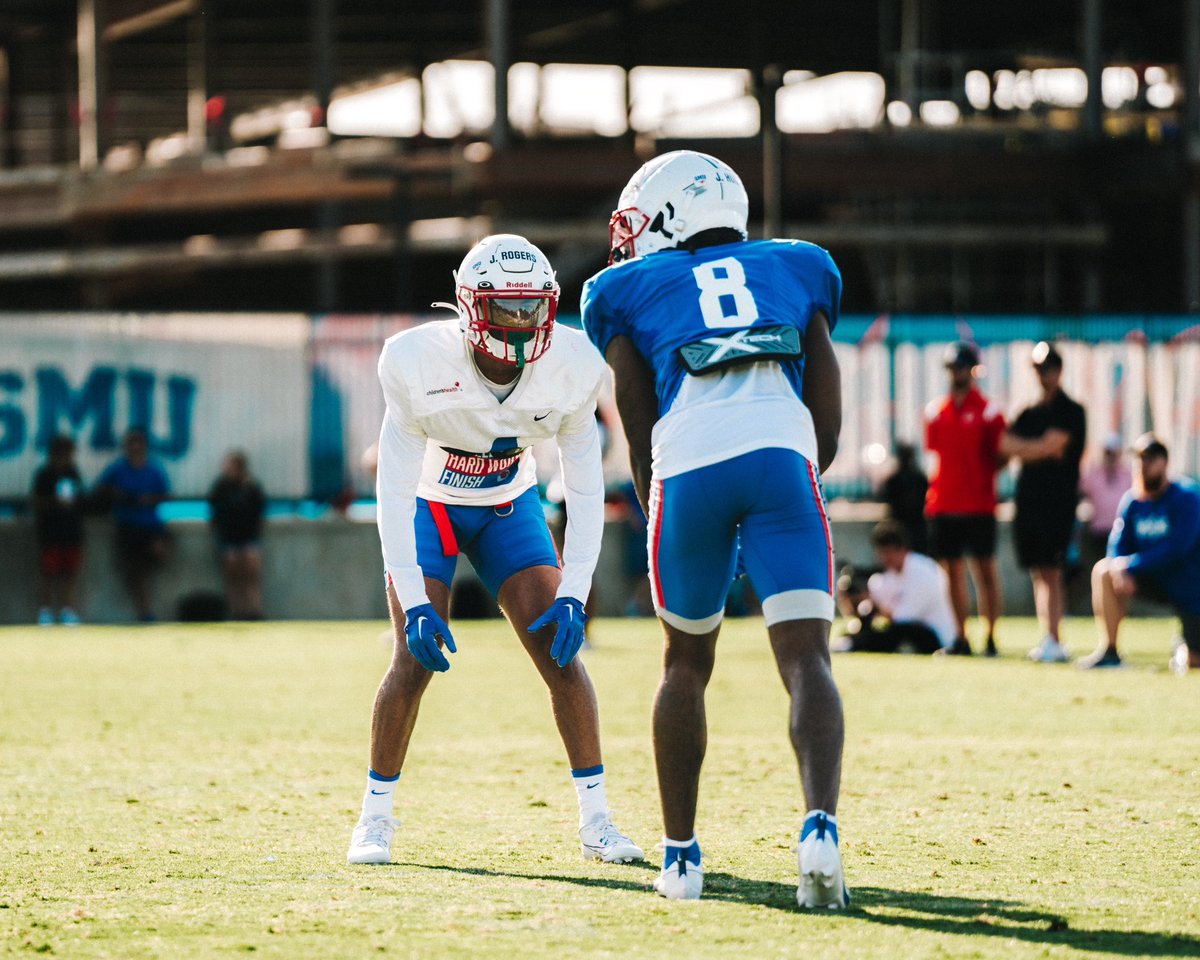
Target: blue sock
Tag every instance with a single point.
(682, 852)
(820, 823)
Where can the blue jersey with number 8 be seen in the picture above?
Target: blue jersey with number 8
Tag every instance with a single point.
(672, 298)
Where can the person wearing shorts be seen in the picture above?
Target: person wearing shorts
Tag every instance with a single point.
(58, 519)
(467, 399)
(730, 397)
(962, 433)
(135, 485)
(237, 507)
(1153, 552)
(1048, 438)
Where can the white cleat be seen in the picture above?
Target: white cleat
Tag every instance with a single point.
(683, 877)
(822, 885)
(372, 840)
(1181, 659)
(599, 839)
(1049, 651)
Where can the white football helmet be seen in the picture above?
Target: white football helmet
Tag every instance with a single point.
(507, 298)
(672, 198)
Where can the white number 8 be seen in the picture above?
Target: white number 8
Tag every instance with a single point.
(720, 279)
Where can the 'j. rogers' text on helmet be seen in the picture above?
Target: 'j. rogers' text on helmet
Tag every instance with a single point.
(672, 198)
(507, 298)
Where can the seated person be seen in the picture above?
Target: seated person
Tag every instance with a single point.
(1153, 552)
(908, 602)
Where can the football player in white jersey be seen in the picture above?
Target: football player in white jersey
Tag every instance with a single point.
(729, 393)
(466, 400)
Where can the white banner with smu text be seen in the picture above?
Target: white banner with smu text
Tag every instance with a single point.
(200, 384)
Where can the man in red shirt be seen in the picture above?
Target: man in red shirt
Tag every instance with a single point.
(963, 433)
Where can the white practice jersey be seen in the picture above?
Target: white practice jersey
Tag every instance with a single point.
(446, 438)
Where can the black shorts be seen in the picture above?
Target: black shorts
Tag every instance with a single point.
(1043, 535)
(139, 547)
(953, 534)
(895, 638)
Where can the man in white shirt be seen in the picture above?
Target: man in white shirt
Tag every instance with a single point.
(466, 400)
(912, 592)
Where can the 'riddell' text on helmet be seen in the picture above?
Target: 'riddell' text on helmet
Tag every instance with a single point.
(507, 298)
(672, 198)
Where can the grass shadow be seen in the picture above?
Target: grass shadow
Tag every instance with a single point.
(966, 916)
(957, 916)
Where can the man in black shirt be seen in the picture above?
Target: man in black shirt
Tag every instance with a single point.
(1048, 438)
(58, 516)
(904, 493)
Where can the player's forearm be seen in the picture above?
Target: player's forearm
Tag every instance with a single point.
(583, 489)
(396, 479)
(637, 402)
(823, 389)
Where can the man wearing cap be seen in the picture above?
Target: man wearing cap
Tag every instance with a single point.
(1153, 552)
(1048, 438)
(962, 432)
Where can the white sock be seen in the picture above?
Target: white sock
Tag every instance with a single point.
(589, 785)
(379, 796)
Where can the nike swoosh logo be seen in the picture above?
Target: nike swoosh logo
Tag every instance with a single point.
(379, 793)
(590, 786)
(543, 416)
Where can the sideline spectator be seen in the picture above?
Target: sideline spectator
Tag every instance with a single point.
(904, 491)
(912, 592)
(238, 506)
(58, 518)
(963, 432)
(1103, 485)
(1048, 438)
(135, 486)
(1153, 552)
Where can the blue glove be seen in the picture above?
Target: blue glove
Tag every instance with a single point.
(423, 628)
(568, 613)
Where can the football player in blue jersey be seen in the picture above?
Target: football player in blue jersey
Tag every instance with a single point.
(730, 395)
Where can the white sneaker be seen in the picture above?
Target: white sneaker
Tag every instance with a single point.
(68, 617)
(45, 617)
(600, 840)
(1180, 661)
(822, 884)
(372, 840)
(1049, 651)
(683, 877)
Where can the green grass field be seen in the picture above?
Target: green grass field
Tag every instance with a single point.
(188, 791)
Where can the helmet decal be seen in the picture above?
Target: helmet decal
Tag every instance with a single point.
(673, 197)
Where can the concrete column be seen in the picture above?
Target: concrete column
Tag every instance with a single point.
(197, 78)
(6, 108)
(1191, 113)
(1091, 30)
(1191, 251)
(92, 86)
(908, 74)
(324, 41)
(500, 54)
(770, 79)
